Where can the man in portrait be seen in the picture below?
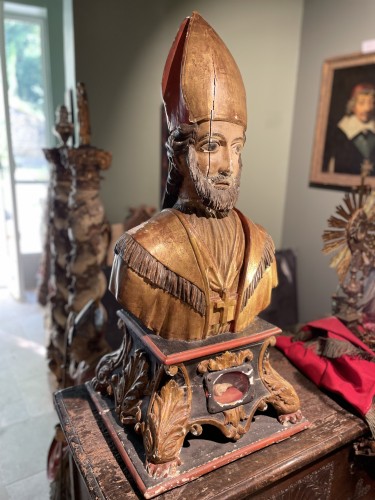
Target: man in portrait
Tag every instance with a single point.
(353, 140)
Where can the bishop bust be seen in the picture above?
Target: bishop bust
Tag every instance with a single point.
(197, 271)
(199, 267)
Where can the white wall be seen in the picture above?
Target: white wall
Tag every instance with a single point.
(121, 47)
(330, 28)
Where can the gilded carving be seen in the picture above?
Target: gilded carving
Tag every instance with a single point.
(226, 360)
(196, 270)
(233, 417)
(166, 424)
(108, 364)
(125, 376)
(351, 236)
(171, 370)
(131, 387)
(282, 396)
(196, 429)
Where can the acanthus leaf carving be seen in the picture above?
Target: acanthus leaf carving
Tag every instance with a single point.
(233, 417)
(102, 381)
(226, 360)
(125, 376)
(282, 395)
(131, 388)
(167, 424)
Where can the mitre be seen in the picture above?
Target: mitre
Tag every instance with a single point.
(201, 80)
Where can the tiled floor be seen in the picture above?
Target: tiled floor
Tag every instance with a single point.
(27, 416)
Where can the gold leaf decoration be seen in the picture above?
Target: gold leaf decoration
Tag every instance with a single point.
(234, 416)
(341, 262)
(131, 388)
(226, 360)
(282, 395)
(109, 364)
(167, 424)
(351, 228)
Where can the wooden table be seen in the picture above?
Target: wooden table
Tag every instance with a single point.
(318, 463)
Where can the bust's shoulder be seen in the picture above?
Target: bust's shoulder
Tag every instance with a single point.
(162, 239)
(155, 235)
(163, 228)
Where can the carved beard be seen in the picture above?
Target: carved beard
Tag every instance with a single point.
(213, 198)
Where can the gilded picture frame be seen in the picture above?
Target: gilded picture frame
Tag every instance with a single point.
(345, 125)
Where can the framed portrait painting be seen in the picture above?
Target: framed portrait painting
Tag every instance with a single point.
(344, 145)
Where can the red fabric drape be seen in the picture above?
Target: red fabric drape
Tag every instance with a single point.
(351, 377)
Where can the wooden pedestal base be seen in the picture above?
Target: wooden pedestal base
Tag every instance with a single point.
(199, 455)
(176, 410)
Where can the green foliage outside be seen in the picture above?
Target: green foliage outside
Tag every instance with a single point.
(24, 62)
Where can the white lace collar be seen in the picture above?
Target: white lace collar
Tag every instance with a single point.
(352, 126)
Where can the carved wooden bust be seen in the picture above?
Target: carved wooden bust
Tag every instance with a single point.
(197, 271)
(199, 267)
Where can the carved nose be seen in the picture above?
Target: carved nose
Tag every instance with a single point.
(226, 168)
(226, 172)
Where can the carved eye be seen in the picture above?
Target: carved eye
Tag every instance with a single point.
(237, 148)
(211, 146)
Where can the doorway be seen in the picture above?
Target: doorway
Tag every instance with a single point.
(25, 115)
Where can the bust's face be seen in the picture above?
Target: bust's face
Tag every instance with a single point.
(218, 151)
(214, 165)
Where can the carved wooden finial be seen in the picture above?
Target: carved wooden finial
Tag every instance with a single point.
(63, 127)
(83, 115)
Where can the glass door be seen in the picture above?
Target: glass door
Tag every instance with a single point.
(27, 103)
(10, 264)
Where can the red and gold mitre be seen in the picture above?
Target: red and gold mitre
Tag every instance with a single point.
(201, 80)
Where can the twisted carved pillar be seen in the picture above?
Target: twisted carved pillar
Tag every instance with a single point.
(89, 234)
(54, 287)
(77, 242)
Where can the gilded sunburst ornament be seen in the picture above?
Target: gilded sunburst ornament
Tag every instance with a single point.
(351, 237)
(352, 230)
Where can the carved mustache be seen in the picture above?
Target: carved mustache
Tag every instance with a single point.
(224, 178)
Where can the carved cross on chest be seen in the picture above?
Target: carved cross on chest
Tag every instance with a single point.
(226, 305)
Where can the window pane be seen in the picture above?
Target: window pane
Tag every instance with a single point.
(31, 210)
(24, 59)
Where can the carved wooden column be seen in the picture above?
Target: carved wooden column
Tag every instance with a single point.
(89, 234)
(58, 246)
(75, 251)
